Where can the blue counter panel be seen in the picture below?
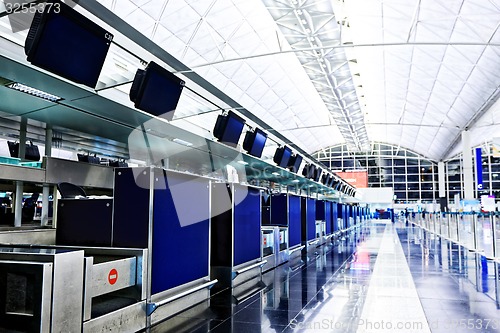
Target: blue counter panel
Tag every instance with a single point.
(180, 232)
(279, 209)
(345, 215)
(247, 224)
(341, 215)
(321, 210)
(351, 214)
(311, 219)
(308, 220)
(328, 217)
(335, 216)
(294, 221)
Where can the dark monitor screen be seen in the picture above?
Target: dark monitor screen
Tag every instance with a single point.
(306, 170)
(309, 171)
(66, 43)
(317, 174)
(254, 142)
(294, 163)
(157, 91)
(337, 185)
(282, 156)
(228, 128)
(331, 181)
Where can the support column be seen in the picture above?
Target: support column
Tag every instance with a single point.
(443, 200)
(467, 163)
(18, 202)
(46, 187)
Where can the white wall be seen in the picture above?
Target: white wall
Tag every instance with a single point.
(376, 195)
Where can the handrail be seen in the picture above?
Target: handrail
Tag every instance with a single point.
(296, 249)
(247, 268)
(151, 307)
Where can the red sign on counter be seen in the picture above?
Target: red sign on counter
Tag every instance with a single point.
(113, 276)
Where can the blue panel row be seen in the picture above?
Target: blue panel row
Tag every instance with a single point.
(180, 234)
(246, 225)
(236, 224)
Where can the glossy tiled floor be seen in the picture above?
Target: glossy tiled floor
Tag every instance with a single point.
(382, 277)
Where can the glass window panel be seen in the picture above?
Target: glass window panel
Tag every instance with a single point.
(400, 187)
(413, 178)
(386, 152)
(348, 163)
(427, 186)
(400, 195)
(412, 161)
(426, 177)
(413, 170)
(414, 195)
(400, 170)
(387, 178)
(400, 178)
(412, 187)
(429, 195)
(495, 168)
(336, 164)
(495, 160)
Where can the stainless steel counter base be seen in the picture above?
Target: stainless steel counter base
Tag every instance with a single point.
(271, 262)
(132, 317)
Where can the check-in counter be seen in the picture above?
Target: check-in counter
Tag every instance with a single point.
(286, 213)
(236, 237)
(308, 224)
(342, 217)
(282, 248)
(270, 247)
(324, 220)
(320, 232)
(71, 289)
(167, 213)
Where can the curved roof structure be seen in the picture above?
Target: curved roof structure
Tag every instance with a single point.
(412, 73)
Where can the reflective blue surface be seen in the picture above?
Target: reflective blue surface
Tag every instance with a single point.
(332, 291)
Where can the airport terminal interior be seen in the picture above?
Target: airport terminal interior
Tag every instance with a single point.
(249, 166)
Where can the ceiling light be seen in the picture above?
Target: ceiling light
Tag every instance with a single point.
(295, 181)
(242, 162)
(182, 142)
(34, 92)
(276, 173)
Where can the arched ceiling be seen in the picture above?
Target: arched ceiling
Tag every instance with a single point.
(412, 73)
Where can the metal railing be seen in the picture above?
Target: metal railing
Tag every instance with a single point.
(476, 231)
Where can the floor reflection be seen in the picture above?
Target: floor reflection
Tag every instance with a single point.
(455, 285)
(329, 291)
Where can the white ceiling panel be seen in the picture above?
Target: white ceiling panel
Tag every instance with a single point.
(413, 73)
